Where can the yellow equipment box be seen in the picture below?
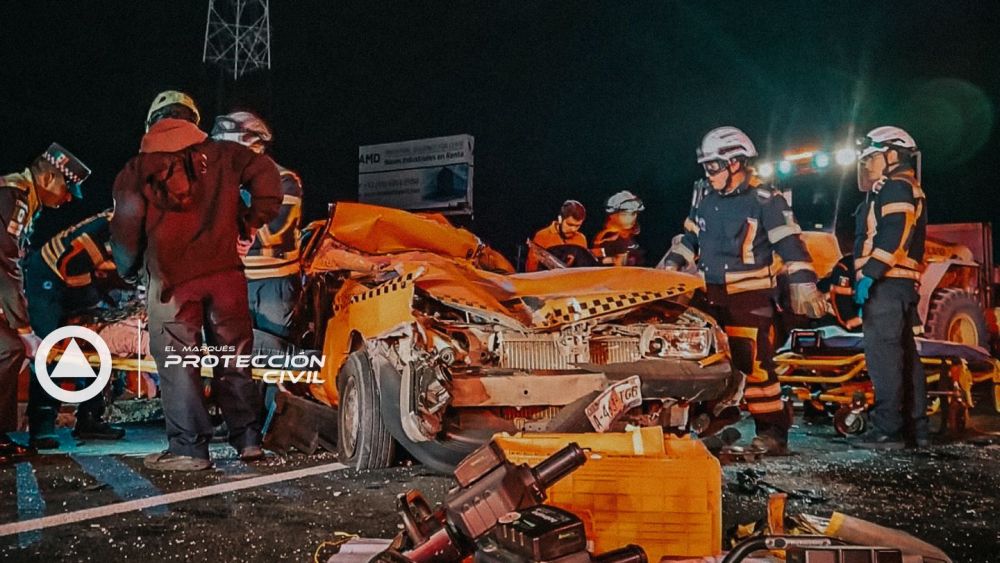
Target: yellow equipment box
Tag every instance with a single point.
(638, 487)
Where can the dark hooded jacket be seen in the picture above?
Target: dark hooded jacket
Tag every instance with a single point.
(180, 244)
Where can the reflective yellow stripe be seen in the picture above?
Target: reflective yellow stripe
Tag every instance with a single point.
(81, 280)
(764, 272)
(794, 267)
(50, 258)
(96, 257)
(742, 332)
(691, 226)
(755, 391)
(903, 273)
(883, 256)
(748, 241)
(290, 200)
(870, 227)
(764, 408)
(781, 232)
(899, 207)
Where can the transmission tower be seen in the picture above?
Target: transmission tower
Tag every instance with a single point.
(238, 35)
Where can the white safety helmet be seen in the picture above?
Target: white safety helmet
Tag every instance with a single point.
(884, 138)
(725, 144)
(624, 201)
(244, 128)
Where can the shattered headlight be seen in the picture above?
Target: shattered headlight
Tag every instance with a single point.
(673, 341)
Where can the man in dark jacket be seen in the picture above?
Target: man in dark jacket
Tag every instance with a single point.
(51, 180)
(71, 273)
(888, 255)
(178, 207)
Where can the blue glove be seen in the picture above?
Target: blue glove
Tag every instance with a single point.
(861, 290)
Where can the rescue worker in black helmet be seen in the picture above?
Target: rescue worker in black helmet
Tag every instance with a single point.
(616, 244)
(71, 273)
(271, 254)
(735, 226)
(891, 229)
(51, 180)
(563, 232)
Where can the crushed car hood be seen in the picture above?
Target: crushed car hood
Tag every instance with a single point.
(447, 264)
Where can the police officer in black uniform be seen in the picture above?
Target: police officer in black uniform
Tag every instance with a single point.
(52, 179)
(72, 272)
(735, 225)
(888, 250)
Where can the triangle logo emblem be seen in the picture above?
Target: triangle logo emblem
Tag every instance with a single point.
(73, 364)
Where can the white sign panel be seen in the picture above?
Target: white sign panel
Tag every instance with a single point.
(421, 175)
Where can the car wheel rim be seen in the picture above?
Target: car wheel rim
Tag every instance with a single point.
(349, 419)
(963, 330)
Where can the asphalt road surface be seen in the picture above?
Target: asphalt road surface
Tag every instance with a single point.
(948, 495)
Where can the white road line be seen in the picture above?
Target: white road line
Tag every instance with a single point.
(180, 496)
(30, 502)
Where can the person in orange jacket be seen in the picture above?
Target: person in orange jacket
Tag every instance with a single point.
(615, 245)
(564, 231)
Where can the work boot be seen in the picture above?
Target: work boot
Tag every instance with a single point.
(167, 461)
(769, 446)
(47, 442)
(96, 429)
(877, 440)
(252, 453)
(11, 450)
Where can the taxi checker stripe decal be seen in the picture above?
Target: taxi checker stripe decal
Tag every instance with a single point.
(387, 287)
(601, 305)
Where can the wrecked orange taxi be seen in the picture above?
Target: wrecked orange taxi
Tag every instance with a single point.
(432, 343)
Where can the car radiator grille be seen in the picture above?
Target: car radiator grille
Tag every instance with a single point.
(540, 353)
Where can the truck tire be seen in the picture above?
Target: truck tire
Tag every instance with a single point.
(955, 315)
(363, 440)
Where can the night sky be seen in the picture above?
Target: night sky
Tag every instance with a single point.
(566, 99)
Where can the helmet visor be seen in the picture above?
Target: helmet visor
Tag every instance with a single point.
(713, 167)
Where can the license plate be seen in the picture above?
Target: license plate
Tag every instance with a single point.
(613, 401)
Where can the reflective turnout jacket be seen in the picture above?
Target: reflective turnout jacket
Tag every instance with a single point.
(733, 237)
(18, 206)
(891, 229)
(77, 252)
(275, 251)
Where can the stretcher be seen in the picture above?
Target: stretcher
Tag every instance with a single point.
(825, 369)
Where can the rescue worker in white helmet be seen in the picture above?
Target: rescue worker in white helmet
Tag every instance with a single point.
(615, 244)
(51, 180)
(735, 226)
(271, 256)
(891, 228)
